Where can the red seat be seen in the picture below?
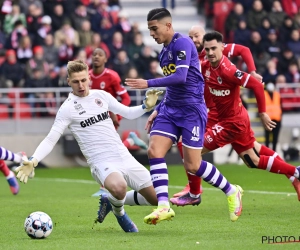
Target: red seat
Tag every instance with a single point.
(13, 96)
(22, 111)
(4, 114)
(124, 136)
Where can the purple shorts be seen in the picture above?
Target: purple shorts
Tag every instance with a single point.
(187, 121)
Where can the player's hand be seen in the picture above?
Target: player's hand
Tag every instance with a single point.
(150, 121)
(26, 169)
(150, 99)
(257, 76)
(267, 122)
(136, 83)
(114, 119)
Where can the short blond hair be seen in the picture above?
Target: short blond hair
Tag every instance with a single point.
(76, 66)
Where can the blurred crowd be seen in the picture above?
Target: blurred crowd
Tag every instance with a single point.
(39, 37)
(271, 29)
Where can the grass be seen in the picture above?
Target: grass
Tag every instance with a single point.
(65, 194)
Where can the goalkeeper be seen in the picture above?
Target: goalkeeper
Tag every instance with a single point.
(86, 114)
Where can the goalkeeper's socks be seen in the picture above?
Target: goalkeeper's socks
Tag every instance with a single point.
(4, 168)
(117, 205)
(160, 180)
(133, 198)
(212, 175)
(9, 156)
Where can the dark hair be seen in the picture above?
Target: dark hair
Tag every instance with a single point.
(213, 35)
(158, 14)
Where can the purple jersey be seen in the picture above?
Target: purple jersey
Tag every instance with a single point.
(180, 54)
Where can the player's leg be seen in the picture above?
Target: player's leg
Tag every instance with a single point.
(115, 183)
(133, 139)
(8, 155)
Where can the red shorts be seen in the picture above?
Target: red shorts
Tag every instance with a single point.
(212, 118)
(237, 133)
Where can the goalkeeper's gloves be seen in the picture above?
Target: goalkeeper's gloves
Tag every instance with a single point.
(26, 169)
(150, 99)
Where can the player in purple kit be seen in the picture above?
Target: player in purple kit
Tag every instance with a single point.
(182, 112)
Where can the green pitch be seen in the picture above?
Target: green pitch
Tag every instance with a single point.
(270, 208)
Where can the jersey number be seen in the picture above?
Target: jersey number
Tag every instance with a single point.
(195, 131)
(217, 129)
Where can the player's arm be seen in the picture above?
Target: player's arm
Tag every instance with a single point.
(240, 50)
(137, 111)
(247, 81)
(44, 148)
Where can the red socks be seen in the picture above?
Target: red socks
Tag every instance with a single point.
(4, 168)
(275, 165)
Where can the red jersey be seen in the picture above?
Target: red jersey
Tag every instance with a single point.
(230, 50)
(110, 82)
(224, 83)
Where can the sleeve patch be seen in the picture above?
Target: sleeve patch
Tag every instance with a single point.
(239, 74)
(181, 55)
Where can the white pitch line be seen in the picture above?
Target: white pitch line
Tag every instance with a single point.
(170, 186)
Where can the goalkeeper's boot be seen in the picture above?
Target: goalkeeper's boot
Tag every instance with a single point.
(126, 224)
(104, 208)
(13, 183)
(235, 204)
(137, 141)
(186, 190)
(186, 200)
(159, 214)
(296, 185)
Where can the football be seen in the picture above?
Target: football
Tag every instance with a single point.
(38, 225)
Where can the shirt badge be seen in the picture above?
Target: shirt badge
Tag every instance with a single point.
(102, 85)
(170, 55)
(219, 80)
(99, 102)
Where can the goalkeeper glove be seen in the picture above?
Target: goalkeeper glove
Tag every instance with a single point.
(150, 99)
(26, 169)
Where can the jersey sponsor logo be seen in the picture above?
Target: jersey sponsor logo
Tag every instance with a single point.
(78, 107)
(170, 55)
(195, 138)
(102, 85)
(95, 119)
(181, 55)
(238, 74)
(218, 92)
(219, 80)
(169, 69)
(99, 102)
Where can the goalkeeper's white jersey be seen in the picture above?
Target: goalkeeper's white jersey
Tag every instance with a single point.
(89, 121)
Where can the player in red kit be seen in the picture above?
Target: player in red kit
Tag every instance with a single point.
(223, 80)
(196, 33)
(109, 81)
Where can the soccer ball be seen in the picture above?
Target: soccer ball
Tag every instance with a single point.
(38, 225)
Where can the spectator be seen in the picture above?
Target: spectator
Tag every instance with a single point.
(267, 5)
(287, 94)
(233, 19)
(154, 71)
(66, 31)
(24, 5)
(294, 43)
(277, 15)
(255, 15)
(50, 52)
(121, 64)
(18, 32)
(37, 62)
(33, 18)
(271, 72)
(116, 45)
(85, 33)
(57, 17)
(114, 5)
(135, 47)
(124, 26)
(24, 51)
(67, 51)
(285, 58)
(256, 44)
(273, 109)
(286, 29)
(261, 57)
(291, 7)
(44, 30)
(61, 79)
(11, 18)
(265, 28)
(147, 56)
(11, 71)
(272, 45)
(107, 30)
(293, 75)
(96, 43)
(79, 16)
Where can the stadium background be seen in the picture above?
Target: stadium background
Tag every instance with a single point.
(36, 44)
